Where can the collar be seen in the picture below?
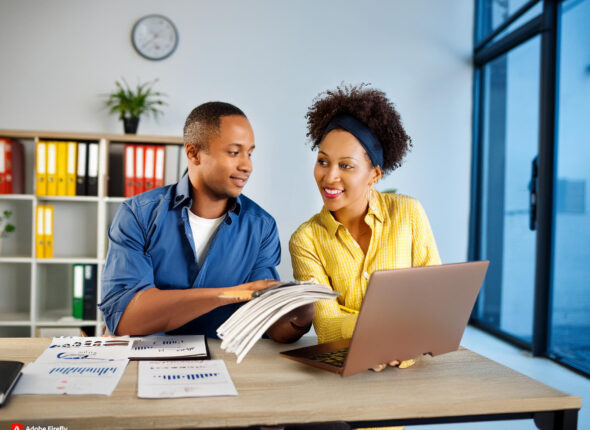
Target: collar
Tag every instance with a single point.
(376, 209)
(183, 196)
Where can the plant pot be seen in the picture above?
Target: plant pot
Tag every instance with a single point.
(130, 125)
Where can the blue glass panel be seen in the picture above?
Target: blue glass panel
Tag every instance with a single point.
(510, 140)
(570, 319)
(493, 13)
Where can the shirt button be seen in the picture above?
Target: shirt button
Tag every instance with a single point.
(365, 275)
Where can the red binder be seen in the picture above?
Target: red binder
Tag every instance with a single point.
(18, 167)
(7, 166)
(149, 163)
(2, 166)
(139, 169)
(129, 161)
(160, 163)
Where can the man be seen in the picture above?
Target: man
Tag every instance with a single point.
(178, 252)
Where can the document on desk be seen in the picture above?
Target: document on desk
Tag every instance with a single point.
(184, 378)
(168, 347)
(77, 365)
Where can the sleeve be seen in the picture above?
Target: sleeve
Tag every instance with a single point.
(424, 249)
(269, 255)
(329, 321)
(128, 269)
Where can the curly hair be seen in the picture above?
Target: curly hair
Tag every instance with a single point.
(372, 108)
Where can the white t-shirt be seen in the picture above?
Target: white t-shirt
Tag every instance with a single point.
(203, 230)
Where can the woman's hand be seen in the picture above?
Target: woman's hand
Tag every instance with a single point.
(403, 365)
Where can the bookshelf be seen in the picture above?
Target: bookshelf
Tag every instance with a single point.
(36, 293)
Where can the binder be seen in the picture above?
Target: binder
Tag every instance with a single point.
(18, 167)
(41, 168)
(81, 180)
(48, 231)
(160, 160)
(2, 167)
(51, 168)
(89, 312)
(8, 165)
(171, 166)
(149, 167)
(40, 233)
(92, 189)
(71, 168)
(62, 153)
(139, 166)
(78, 291)
(129, 169)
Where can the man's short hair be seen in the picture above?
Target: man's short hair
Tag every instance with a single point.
(204, 121)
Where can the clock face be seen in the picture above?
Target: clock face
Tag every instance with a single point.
(154, 37)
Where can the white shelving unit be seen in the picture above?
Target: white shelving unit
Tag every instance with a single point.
(37, 292)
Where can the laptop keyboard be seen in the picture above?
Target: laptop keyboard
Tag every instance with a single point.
(335, 358)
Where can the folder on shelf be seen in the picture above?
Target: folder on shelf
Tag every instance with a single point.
(159, 169)
(139, 169)
(149, 167)
(81, 168)
(78, 291)
(51, 168)
(40, 232)
(171, 164)
(129, 169)
(71, 168)
(18, 167)
(89, 295)
(2, 167)
(62, 153)
(92, 189)
(41, 164)
(48, 231)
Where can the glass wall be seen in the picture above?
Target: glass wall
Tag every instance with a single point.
(531, 202)
(510, 138)
(570, 317)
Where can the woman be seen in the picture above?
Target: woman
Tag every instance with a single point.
(359, 137)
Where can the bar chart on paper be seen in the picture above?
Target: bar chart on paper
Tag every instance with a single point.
(195, 378)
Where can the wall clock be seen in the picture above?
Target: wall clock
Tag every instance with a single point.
(154, 37)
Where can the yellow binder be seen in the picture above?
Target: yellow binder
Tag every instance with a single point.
(48, 230)
(62, 152)
(41, 182)
(71, 169)
(39, 233)
(51, 168)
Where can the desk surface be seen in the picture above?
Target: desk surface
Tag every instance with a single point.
(274, 390)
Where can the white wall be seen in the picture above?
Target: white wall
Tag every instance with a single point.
(270, 58)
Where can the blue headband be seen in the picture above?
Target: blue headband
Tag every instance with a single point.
(364, 135)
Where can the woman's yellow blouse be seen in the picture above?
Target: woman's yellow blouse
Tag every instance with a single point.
(324, 250)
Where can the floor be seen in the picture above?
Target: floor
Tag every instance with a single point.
(541, 369)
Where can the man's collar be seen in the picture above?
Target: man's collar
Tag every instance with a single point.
(183, 195)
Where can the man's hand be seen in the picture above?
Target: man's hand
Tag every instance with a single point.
(243, 292)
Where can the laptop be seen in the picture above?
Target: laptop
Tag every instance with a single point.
(405, 313)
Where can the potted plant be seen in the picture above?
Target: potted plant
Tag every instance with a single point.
(5, 227)
(130, 103)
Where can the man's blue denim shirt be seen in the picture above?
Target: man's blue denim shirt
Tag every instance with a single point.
(151, 244)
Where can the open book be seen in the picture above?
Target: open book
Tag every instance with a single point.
(243, 329)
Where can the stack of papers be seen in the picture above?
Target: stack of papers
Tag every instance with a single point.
(243, 329)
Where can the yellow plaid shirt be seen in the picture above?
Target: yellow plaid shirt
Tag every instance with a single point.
(324, 250)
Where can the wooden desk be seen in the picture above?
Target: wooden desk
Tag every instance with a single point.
(456, 387)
